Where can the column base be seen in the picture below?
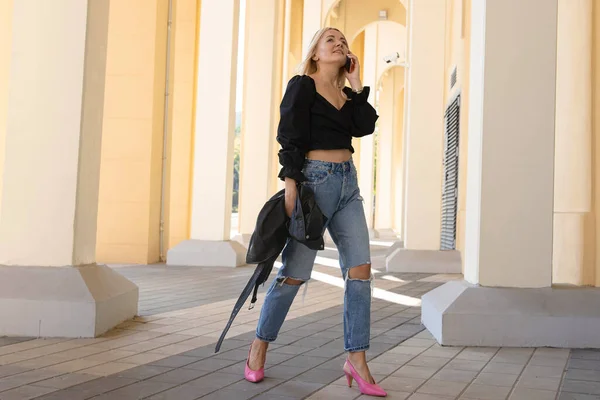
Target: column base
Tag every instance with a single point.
(460, 314)
(425, 261)
(243, 239)
(72, 301)
(388, 234)
(207, 253)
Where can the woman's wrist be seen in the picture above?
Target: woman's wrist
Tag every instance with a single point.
(356, 85)
(290, 184)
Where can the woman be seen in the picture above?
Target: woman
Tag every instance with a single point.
(319, 117)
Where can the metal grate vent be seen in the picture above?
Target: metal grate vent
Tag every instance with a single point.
(450, 188)
(453, 77)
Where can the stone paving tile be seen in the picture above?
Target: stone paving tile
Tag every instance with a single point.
(585, 354)
(65, 381)
(25, 392)
(296, 389)
(336, 393)
(313, 363)
(455, 375)
(138, 390)
(143, 372)
(317, 375)
(541, 383)
(496, 379)
(401, 384)
(486, 392)
(532, 394)
(5, 340)
(582, 375)
(576, 396)
(273, 396)
(285, 372)
(180, 321)
(89, 389)
(442, 388)
(304, 361)
(179, 376)
(410, 371)
(582, 387)
(577, 363)
(8, 370)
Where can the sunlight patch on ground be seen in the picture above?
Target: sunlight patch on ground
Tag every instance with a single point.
(380, 243)
(392, 278)
(377, 292)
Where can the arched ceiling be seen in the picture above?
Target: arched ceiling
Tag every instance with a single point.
(390, 39)
(351, 16)
(387, 73)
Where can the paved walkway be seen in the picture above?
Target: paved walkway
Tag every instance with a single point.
(168, 351)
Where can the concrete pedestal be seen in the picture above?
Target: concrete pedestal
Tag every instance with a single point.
(84, 301)
(206, 253)
(460, 314)
(389, 234)
(425, 261)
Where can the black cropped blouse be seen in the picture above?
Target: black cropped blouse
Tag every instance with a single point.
(310, 122)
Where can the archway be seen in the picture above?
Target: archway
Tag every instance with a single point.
(352, 16)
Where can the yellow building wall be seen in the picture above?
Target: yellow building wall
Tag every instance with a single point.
(358, 48)
(355, 15)
(457, 55)
(464, 126)
(5, 50)
(295, 55)
(398, 149)
(186, 14)
(595, 243)
(131, 166)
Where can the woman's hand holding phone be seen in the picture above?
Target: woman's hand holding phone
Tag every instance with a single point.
(353, 71)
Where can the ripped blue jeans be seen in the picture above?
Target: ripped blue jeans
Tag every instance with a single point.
(337, 194)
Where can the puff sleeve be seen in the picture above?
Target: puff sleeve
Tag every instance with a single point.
(293, 133)
(364, 115)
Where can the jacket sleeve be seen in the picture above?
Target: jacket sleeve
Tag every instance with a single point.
(293, 133)
(364, 115)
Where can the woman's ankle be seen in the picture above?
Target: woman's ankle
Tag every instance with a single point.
(259, 344)
(357, 358)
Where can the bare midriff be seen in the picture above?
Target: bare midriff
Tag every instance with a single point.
(336, 156)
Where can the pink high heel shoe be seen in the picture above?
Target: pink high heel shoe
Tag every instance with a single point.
(370, 389)
(251, 375)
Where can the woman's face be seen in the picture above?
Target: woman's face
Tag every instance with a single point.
(332, 48)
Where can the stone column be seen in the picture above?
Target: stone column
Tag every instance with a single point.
(311, 22)
(424, 136)
(397, 168)
(390, 132)
(6, 14)
(212, 182)
(573, 156)
(262, 80)
(129, 209)
(51, 174)
(507, 298)
(385, 138)
(367, 146)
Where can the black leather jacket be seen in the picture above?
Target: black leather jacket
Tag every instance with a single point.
(273, 228)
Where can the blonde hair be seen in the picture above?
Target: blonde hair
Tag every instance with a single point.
(309, 66)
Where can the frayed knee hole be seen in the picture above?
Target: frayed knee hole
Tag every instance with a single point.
(360, 272)
(289, 281)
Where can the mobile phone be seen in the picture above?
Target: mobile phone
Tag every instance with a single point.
(348, 63)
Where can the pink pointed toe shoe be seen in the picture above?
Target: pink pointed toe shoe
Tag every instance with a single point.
(251, 375)
(369, 389)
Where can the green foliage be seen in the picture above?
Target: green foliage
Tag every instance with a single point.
(236, 171)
